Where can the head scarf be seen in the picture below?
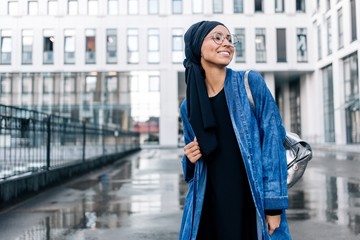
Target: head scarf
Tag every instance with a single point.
(199, 109)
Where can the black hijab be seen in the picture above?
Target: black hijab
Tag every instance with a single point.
(199, 109)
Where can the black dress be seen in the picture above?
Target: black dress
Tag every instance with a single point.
(228, 212)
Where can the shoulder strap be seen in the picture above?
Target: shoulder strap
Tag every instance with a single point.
(248, 90)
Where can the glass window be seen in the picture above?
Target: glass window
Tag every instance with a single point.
(69, 46)
(177, 46)
(113, 7)
(238, 6)
(154, 83)
(132, 46)
(27, 84)
(153, 6)
(13, 8)
(319, 42)
(32, 7)
(240, 46)
(260, 44)
(48, 84)
(93, 7)
(295, 107)
(153, 46)
(197, 6)
(259, 6)
(5, 84)
(5, 46)
(279, 6)
(340, 28)
(328, 101)
(90, 82)
(300, 5)
(328, 4)
(353, 20)
(73, 7)
(69, 84)
(302, 53)
(90, 43)
(48, 48)
(177, 6)
(329, 36)
(27, 46)
(133, 7)
(111, 84)
(52, 7)
(217, 6)
(281, 44)
(111, 46)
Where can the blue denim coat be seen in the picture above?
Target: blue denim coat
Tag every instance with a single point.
(260, 141)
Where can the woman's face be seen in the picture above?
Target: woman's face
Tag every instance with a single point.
(214, 51)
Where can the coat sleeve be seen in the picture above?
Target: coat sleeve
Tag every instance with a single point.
(188, 167)
(272, 136)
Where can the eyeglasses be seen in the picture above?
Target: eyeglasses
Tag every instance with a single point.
(219, 38)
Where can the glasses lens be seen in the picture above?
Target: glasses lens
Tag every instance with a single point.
(218, 38)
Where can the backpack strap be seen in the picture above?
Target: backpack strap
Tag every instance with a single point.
(248, 90)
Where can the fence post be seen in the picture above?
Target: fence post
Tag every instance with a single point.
(84, 140)
(48, 143)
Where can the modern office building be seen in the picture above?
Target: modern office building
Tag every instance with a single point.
(119, 62)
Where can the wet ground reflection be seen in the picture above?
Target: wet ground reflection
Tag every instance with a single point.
(137, 187)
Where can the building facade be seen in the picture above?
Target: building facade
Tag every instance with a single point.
(119, 62)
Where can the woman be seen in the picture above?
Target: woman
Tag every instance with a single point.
(234, 157)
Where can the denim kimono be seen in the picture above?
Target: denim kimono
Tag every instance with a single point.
(260, 136)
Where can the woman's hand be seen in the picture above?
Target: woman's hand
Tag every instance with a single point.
(273, 222)
(192, 151)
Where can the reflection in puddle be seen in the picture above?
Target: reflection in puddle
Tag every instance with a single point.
(109, 201)
(327, 199)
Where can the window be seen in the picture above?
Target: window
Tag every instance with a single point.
(300, 5)
(317, 4)
(73, 7)
(177, 46)
(153, 46)
(113, 7)
(27, 46)
(52, 7)
(5, 84)
(329, 36)
(302, 53)
(340, 28)
(295, 106)
(260, 45)
(328, 99)
(238, 6)
(48, 48)
(352, 111)
(111, 84)
(90, 84)
(69, 84)
(197, 6)
(217, 6)
(93, 7)
(319, 42)
(90, 43)
(27, 84)
(133, 46)
(281, 44)
(111, 46)
(240, 46)
(5, 46)
(13, 8)
(69, 48)
(133, 7)
(48, 84)
(154, 83)
(177, 6)
(153, 6)
(353, 20)
(32, 7)
(328, 4)
(279, 6)
(259, 6)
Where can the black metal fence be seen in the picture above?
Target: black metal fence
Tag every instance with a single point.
(32, 141)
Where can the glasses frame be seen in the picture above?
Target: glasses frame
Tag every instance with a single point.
(219, 38)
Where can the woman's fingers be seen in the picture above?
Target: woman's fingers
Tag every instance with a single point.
(192, 151)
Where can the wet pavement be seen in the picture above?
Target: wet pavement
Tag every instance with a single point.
(141, 197)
